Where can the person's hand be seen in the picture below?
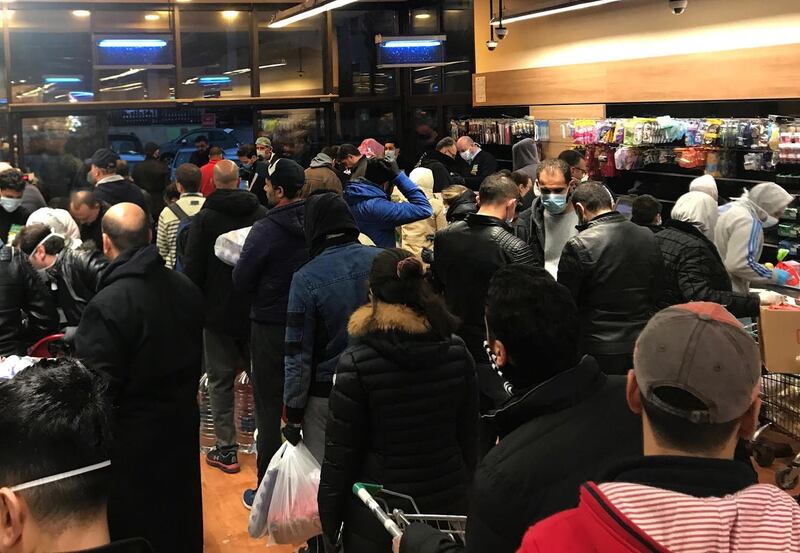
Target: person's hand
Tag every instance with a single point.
(292, 432)
(389, 169)
(768, 297)
(69, 334)
(779, 276)
(396, 544)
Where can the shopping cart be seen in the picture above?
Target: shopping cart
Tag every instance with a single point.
(50, 346)
(395, 523)
(780, 397)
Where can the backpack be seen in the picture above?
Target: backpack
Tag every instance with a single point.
(181, 234)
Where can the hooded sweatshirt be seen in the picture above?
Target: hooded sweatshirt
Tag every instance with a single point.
(418, 235)
(525, 157)
(739, 234)
(706, 184)
(320, 175)
(697, 208)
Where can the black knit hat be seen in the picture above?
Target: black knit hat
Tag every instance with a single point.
(327, 214)
(287, 174)
(105, 158)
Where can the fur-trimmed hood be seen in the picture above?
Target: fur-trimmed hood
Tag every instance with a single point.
(386, 317)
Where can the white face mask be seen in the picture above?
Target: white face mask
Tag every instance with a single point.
(390, 155)
(10, 204)
(466, 156)
(770, 222)
(585, 177)
(59, 476)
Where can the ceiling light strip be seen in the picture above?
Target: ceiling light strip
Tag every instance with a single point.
(564, 8)
(290, 18)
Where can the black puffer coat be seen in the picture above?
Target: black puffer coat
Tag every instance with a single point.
(76, 274)
(693, 271)
(403, 413)
(225, 210)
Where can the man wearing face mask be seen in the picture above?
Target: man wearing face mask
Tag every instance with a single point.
(739, 234)
(480, 164)
(264, 149)
(72, 275)
(577, 165)
(551, 220)
(12, 215)
(613, 268)
(253, 170)
(468, 253)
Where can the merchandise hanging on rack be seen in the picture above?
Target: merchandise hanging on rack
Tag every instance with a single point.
(501, 131)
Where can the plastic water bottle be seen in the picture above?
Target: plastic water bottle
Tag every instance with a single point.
(208, 438)
(244, 413)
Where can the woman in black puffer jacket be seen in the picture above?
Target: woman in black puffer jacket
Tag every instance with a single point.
(404, 408)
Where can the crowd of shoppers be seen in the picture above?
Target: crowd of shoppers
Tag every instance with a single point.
(529, 357)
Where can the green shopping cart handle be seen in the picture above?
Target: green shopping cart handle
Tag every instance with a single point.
(371, 488)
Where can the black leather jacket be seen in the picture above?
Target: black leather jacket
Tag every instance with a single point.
(27, 312)
(468, 253)
(529, 227)
(73, 281)
(613, 268)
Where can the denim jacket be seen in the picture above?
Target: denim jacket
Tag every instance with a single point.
(324, 293)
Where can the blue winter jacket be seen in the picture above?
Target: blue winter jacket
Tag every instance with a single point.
(324, 293)
(377, 215)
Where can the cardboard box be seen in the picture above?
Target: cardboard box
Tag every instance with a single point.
(779, 332)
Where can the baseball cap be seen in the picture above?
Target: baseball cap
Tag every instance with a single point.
(287, 174)
(105, 158)
(702, 349)
(264, 141)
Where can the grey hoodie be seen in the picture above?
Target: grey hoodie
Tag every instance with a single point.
(525, 157)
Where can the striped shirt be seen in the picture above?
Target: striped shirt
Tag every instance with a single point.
(168, 225)
(759, 518)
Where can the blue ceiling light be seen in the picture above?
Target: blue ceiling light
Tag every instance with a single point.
(62, 80)
(214, 80)
(132, 43)
(411, 43)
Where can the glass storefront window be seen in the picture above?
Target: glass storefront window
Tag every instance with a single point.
(357, 121)
(290, 58)
(51, 56)
(295, 133)
(215, 49)
(357, 53)
(134, 54)
(428, 79)
(54, 149)
(457, 20)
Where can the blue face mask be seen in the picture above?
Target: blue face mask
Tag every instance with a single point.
(555, 204)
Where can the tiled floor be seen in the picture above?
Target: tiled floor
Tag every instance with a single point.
(224, 516)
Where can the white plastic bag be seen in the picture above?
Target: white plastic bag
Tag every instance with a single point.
(228, 246)
(285, 507)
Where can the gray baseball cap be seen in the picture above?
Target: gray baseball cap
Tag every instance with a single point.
(702, 349)
(264, 141)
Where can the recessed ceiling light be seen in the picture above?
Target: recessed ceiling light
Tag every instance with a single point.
(422, 16)
(230, 14)
(81, 13)
(152, 17)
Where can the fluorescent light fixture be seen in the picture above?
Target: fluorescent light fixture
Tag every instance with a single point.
(122, 87)
(132, 43)
(411, 43)
(152, 17)
(214, 80)
(293, 16)
(127, 73)
(230, 14)
(62, 80)
(422, 16)
(81, 13)
(270, 65)
(563, 8)
(81, 94)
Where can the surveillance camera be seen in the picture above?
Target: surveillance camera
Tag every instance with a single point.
(678, 6)
(501, 32)
(491, 45)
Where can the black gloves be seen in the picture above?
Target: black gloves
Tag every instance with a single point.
(380, 170)
(292, 432)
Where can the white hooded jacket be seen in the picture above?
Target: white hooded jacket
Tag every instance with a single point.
(739, 235)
